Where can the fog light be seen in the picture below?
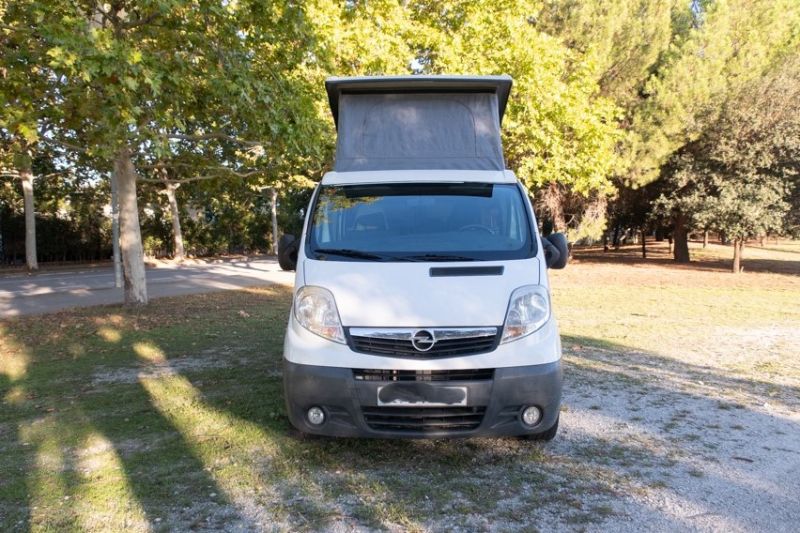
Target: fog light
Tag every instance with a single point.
(531, 415)
(316, 416)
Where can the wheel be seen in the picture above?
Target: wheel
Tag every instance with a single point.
(287, 252)
(547, 435)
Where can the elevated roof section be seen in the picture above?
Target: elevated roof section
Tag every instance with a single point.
(418, 122)
(499, 85)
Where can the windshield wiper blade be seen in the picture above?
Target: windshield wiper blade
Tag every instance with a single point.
(357, 254)
(438, 257)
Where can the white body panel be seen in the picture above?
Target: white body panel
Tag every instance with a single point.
(403, 294)
(303, 347)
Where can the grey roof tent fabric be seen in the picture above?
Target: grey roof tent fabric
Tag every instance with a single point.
(418, 122)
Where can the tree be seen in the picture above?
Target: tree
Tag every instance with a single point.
(747, 206)
(719, 49)
(140, 81)
(739, 176)
(25, 101)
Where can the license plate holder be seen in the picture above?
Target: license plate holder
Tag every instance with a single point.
(420, 394)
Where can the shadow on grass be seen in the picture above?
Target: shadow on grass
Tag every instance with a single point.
(646, 365)
(659, 255)
(415, 483)
(150, 412)
(81, 453)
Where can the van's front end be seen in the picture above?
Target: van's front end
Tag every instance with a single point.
(422, 309)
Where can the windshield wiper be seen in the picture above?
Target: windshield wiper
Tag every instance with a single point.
(438, 257)
(357, 254)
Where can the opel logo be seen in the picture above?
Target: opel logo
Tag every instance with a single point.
(423, 340)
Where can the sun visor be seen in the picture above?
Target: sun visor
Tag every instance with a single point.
(418, 122)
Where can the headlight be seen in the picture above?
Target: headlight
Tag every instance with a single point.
(528, 310)
(315, 310)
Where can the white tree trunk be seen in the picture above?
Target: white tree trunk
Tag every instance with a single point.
(115, 231)
(274, 211)
(177, 235)
(30, 219)
(130, 239)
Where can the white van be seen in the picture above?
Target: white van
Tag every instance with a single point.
(421, 303)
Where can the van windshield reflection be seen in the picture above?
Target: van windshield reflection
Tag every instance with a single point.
(420, 222)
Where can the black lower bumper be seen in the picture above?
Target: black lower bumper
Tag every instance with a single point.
(492, 407)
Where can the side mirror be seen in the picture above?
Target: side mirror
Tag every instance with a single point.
(288, 246)
(556, 250)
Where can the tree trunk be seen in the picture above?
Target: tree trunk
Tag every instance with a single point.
(738, 247)
(30, 219)
(130, 239)
(553, 200)
(274, 211)
(615, 239)
(644, 243)
(705, 238)
(680, 233)
(178, 252)
(117, 259)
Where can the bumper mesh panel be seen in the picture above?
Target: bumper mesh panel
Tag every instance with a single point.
(423, 419)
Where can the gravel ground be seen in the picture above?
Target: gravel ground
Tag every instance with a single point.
(701, 451)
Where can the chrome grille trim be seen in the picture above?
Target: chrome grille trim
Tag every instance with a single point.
(412, 343)
(406, 334)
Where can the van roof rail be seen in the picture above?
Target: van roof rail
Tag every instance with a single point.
(499, 85)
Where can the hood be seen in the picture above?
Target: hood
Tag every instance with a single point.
(406, 295)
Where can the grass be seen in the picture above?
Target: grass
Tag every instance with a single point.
(744, 324)
(171, 417)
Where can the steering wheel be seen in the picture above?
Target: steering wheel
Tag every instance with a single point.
(477, 227)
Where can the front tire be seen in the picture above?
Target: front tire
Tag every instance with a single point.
(287, 252)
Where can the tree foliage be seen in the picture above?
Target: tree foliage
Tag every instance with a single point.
(226, 98)
(739, 177)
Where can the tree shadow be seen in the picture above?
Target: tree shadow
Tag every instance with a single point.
(660, 256)
(644, 437)
(641, 365)
(377, 483)
(66, 434)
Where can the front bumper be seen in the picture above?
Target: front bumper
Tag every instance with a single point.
(493, 406)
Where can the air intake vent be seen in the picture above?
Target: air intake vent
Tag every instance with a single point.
(438, 272)
(482, 374)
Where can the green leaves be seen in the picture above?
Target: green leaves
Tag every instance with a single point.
(558, 127)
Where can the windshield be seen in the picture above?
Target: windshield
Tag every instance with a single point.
(420, 222)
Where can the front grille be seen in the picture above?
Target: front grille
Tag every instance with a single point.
(423, 419)
(448, 343)
(481, 374)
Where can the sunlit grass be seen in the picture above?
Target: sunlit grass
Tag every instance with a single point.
(699, 316)
(173, 417)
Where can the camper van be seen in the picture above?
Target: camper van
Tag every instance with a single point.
(421, 301)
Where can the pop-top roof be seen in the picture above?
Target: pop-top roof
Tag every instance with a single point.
(418, 122)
